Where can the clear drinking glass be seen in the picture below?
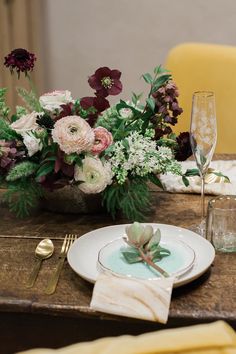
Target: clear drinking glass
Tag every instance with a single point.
(203, 137)
(221, 223)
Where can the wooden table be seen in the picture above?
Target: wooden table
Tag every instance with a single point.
(29, 318)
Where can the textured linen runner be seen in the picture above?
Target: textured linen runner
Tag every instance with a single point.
(174, 184)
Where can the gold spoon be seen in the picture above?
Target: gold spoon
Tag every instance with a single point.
(44, 250)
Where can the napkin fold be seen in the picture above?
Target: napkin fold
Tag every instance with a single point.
(131, 297)
(174, 184)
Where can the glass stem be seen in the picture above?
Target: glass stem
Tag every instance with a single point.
(202, 197)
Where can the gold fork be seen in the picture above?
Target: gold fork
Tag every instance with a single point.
(52, 284)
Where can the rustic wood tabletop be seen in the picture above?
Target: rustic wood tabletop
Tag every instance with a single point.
(25, 312)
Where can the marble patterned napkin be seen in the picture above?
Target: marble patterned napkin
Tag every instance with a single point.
(227, 167)
(131, 297)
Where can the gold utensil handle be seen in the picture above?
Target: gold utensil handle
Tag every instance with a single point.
(54, 279)
(34, 273)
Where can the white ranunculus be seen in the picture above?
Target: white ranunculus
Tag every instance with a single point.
(32, 143)
(53, 100)
(26, 123)
(94, 175)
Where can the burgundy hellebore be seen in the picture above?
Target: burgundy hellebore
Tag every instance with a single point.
(21, 60)
(106, 81)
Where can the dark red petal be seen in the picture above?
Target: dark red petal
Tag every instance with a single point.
(102, 72)
(115, 74)
(68, 170)
(94, 82)
(87, 102)
(91, 119)
(102, 92)
(57, 166)
(116, 88)
(100, 103)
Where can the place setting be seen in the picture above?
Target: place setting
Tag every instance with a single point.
(107, 258)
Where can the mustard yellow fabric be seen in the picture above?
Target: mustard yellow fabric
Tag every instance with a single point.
(207, 67)
(214, 338)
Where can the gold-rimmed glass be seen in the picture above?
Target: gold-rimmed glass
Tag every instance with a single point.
(203, 137)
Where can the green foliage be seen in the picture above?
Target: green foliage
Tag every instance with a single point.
(4, 109)
(22, 195)
(45, 169)
(22, 170)
(21, 111)
(30, 99)
(136, 98)
(132, 198)
(6, 133)
(155, 180)
(148, 78)
(220, 174)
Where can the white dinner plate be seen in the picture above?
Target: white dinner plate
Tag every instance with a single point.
(83, 254)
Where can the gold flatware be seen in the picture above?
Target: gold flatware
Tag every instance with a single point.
(43, 251)
(68, 240)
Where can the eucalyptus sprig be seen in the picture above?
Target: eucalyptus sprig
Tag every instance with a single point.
(144, 246)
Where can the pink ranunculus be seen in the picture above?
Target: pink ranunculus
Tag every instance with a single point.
(103, 139)
(73, 134)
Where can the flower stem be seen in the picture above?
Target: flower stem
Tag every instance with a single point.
(33, 89)
(152, 264)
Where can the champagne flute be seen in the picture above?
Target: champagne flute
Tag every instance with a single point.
(203, 137)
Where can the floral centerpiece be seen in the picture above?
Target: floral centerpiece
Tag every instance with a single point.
(56, 140)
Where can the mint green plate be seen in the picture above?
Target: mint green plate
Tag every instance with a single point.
(181, 259)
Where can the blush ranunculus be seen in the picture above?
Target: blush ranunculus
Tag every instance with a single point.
(103, 139)
(73, 134)
(94, 175)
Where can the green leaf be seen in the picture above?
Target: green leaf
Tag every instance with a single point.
(159, 253)
(131, 254)
(148, 78)
(160, 81)
(155, 240)
(220, 174)
(45, 169)
(160, 70)
(203, 159)
(151, 103)
(155, 180)
(192, 172)
(185, 181)
(136, 98)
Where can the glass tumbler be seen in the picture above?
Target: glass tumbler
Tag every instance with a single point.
(221, 223)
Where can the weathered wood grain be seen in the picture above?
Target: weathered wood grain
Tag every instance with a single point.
(211, 297)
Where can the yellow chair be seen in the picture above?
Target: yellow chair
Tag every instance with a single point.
(213, 338)
(207, 67)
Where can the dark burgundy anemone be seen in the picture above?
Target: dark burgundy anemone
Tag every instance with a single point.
(184, 148)
(106, 81)
(20, 60)
(100, 103)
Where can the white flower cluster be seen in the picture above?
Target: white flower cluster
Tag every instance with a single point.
(138, 155)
